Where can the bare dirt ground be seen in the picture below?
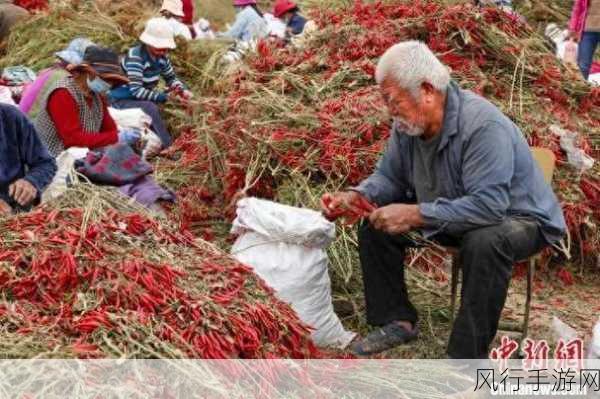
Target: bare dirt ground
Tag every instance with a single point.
(578, 305)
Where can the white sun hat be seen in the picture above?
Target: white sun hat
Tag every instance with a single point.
(175, 7)
(158, 34)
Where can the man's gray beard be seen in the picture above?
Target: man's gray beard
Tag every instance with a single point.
(409, 129)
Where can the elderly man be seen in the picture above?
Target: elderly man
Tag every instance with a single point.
(461, 172)
(26, 168)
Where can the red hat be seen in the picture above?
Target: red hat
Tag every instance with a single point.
(283, 6)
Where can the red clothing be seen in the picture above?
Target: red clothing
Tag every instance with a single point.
(64, 113)
(188, 12)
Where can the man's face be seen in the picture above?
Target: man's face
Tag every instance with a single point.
(408, 112)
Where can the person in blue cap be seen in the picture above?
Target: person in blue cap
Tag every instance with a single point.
(32, 95)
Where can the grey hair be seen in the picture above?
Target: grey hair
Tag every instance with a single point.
(409, 64)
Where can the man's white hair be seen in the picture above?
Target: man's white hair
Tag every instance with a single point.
(409, 64)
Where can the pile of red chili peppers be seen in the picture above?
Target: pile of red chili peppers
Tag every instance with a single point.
(125, 285)
(32, 5)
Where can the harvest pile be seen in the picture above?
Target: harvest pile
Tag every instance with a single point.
(288, 124)
(99, 282)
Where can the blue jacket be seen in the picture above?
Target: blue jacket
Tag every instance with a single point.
(144, 73)
(297, 23)
(485, 167)
(22, 154)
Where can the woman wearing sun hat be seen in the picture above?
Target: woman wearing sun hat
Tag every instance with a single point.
(145, 64)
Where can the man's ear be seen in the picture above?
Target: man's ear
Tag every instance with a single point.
(427, 91)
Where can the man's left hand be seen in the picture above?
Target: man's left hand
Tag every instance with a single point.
(396, 218)
(22, 191)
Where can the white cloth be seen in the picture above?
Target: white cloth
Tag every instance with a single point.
(286, 247)
(6, 96)
(203, 30)
(64, 161)
(136, 119)
(131, 118)
(575, 156)
(180, 29)
(275, 26)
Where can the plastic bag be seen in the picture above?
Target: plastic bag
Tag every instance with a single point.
(562, 331)
(275, 26)
(594, 350)
(135, 118)
(6, 96)
(286, 247)
(575, 156)
(151, 144)
(132, 118)
(203, 29)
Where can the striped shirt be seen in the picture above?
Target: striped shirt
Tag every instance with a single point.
(144, 73)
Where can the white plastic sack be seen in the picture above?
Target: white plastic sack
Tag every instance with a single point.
(6, 96)
(575, 156)
(136, 119)
(203, 29)
(132, 118)
(563, 331)
(275, 26)
(64, 161)
(594, 79)
(594, 350)
(559, 37)
(152, 145)
(286, 247)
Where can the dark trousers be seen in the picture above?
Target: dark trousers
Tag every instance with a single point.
(487, 257)
(587, 47)
(152, 110)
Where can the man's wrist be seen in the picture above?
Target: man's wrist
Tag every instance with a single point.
(419, 221)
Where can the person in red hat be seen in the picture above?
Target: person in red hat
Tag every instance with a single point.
(289, 12)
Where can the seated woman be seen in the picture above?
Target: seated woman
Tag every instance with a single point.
(180, 14)
(36, 91)
(172, 11)
(74, 111)
(26, 168)
(145, 64)
(289, 12)
(249, 22)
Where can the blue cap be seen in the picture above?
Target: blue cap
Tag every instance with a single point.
(74, 52)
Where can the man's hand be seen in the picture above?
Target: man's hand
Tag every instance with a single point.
(338, 204)
(22, 191)
(5, 209)
(397, 218)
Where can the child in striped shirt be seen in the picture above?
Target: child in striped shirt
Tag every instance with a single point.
(145, 64)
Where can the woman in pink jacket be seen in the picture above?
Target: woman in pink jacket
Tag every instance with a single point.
(585, 26)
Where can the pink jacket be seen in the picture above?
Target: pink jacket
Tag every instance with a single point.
(579, 15)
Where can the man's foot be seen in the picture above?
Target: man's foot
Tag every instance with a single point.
(382, 339)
